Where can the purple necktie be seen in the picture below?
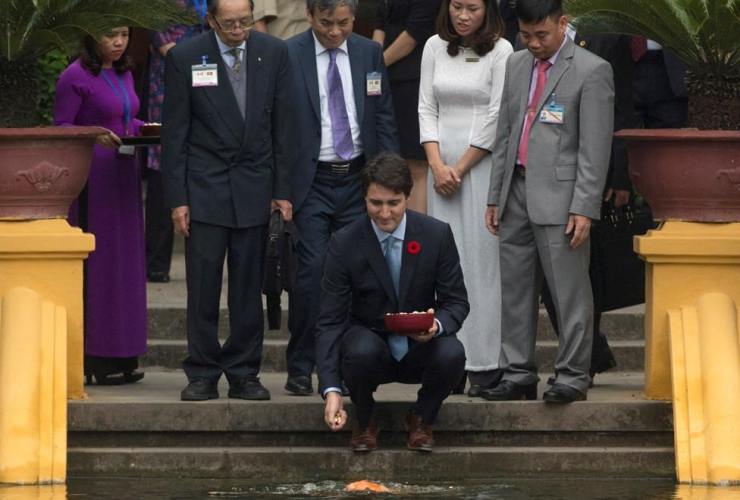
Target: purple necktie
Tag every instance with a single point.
(340, 130)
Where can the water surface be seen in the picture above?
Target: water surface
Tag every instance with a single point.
(516, 489)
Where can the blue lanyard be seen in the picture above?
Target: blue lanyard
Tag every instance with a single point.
(202, 6)
(123, 98)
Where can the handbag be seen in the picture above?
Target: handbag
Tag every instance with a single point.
(281, 265)
(617, 272)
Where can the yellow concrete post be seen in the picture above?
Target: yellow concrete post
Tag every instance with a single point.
(705, 361)
(46, 256)
(684, 261)
(33, 389)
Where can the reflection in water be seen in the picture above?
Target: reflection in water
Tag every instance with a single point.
(498, 489)
(56, 492)
(684, 492)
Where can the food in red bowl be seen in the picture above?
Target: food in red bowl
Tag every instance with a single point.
(409, 323)
(151, 130)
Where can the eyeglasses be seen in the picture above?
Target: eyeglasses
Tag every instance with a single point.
(245, 24)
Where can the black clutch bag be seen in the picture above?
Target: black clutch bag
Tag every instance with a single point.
(617, 272)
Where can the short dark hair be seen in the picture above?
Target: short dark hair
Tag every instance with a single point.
(315, 6)
(387, 170)
(485, 37)
(212, 7)
(536, 11)
(90, 60)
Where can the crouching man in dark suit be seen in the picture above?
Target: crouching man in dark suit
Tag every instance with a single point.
(390, 261)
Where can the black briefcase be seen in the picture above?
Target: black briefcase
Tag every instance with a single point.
(281, 265)
(617, 272)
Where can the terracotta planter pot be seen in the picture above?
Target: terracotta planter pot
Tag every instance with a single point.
(42, 170)
(686, 175)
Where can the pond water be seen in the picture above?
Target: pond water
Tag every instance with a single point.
(518, 489)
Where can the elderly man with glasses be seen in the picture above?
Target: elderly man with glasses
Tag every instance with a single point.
(226, 160)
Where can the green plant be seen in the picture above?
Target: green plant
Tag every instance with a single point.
(50, 67)
(30, 29)
(705, 34)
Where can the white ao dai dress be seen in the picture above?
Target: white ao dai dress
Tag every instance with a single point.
(459, 101)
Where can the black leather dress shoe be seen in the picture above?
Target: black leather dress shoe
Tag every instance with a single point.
(200, 389)
(475, 391)
(602, 363)
(158, 277)
(300, 385)
(509, 391)
(249, 388)
(551, 380)
(561, 393)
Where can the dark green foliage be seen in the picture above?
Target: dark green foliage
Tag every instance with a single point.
(50, 67)
(705, 34)
(19, 84)
(30, 29)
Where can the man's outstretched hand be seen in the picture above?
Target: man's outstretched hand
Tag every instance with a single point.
(334, 414)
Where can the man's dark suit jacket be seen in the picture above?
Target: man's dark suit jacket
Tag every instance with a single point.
(508, 14)
(226, 168)
(357, 288)
(617, 51)
(374, 113)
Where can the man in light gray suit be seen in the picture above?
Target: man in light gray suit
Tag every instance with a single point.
(550, 162)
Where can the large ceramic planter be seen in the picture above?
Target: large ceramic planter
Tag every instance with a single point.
(42, 170)
(686, 175)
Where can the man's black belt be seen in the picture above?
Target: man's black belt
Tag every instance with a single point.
(520, 170)
(341, 168)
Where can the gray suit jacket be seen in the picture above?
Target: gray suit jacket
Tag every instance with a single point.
(566, 164)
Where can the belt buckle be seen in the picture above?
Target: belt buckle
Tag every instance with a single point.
(340, 168)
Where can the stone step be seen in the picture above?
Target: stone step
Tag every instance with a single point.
(169, 354)
(290, 463)
(151, 414)
(168, 323)
(144, 430)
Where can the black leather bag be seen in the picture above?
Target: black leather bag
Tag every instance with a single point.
(617, 272)
(281, 265)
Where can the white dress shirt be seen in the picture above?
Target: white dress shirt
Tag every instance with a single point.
(327, 153)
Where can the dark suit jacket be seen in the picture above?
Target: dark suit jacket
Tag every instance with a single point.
(617, 51)
(374, 113)
(357, 288)
(506, 8)
(226, 168)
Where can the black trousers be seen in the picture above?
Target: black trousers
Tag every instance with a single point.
(333, 202)
(205, 250)
(600, 349)
(367, 362)
(159, 232)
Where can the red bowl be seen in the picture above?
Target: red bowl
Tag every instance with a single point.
(409, 323)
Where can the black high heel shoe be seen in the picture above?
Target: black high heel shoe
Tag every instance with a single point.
(109, 379)
(132, 376)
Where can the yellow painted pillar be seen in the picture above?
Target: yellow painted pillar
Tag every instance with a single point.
(33, 389)
(705, 362)
(46, 256)
(685, 260)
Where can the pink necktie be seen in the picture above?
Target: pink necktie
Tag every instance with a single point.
(542, 67)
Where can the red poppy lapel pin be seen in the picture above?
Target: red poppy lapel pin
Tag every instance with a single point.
(413, 247)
